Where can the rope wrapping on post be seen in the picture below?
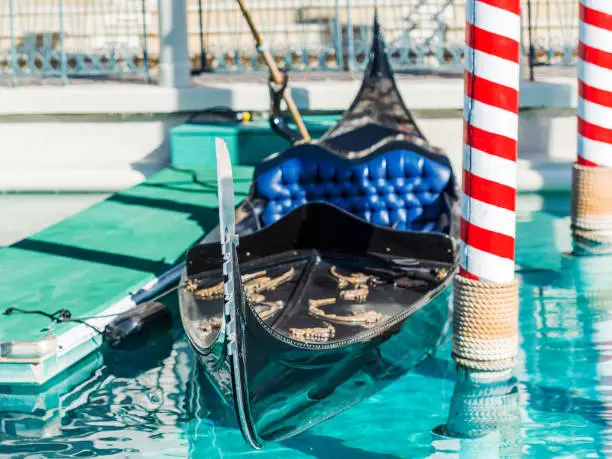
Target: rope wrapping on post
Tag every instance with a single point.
(591, 209)
(486, 295)
(485, 326)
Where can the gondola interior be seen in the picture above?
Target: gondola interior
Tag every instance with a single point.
(376, 167)
(321, 275)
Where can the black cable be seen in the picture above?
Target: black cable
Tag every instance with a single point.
(64, 315)
(60, 316)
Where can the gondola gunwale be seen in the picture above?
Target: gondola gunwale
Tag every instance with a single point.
(360, 337)
(305, 208)
(378, 232)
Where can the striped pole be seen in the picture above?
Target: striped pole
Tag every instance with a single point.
(486, 295)
(592, 172)
(595, 84)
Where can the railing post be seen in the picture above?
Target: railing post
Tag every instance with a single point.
(13, 65)
(592, 173)
(531, 55)
(174, 65)
(485, 329)
(145, 42)
(202, 48)
(338, 32)
(63, 62)
(350, 39)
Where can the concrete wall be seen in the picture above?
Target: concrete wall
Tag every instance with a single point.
(108, 137)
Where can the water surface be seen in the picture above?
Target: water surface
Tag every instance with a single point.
(143, 403)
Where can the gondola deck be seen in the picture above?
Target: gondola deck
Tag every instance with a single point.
(89, 262)
(341, 303)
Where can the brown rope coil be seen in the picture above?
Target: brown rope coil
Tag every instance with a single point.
(485, 324)
(591, 208)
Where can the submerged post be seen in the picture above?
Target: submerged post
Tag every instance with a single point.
(485, 326)
(592, 172)
(485, 418)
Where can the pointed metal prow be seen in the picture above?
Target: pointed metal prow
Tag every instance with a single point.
(233, 289)
(379, 61)
(227, 228)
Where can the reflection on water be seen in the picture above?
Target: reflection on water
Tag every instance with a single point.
(110, 404)
(485, 417)
(153, 402)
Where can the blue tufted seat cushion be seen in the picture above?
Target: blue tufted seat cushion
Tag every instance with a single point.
(399, 188)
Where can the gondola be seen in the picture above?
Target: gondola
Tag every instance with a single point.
(330, 281)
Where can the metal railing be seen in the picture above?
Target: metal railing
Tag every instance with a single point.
(552, 32)
(73, 38)
(63, 39)
(306, 35)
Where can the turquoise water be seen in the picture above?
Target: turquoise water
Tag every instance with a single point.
(139, 403)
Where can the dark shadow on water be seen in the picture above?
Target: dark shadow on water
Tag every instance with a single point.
(531, 276)
(323, 447)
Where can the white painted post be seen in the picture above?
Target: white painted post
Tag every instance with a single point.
(174, 65)
(592, 172)
(485, 327)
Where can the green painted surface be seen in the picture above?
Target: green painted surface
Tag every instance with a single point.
(249, 143)
(97, 257)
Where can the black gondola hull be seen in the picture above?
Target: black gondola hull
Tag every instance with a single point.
(293, 389)
(279, 385)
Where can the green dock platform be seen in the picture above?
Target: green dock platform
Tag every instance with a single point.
(98, 263)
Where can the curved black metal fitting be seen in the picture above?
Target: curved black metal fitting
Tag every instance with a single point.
(277, 122)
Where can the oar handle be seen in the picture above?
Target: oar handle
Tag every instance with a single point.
(276, 75)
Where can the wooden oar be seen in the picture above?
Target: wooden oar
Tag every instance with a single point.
(276, 74)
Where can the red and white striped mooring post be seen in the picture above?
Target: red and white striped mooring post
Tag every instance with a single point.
(485, 328)
(592, 172)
